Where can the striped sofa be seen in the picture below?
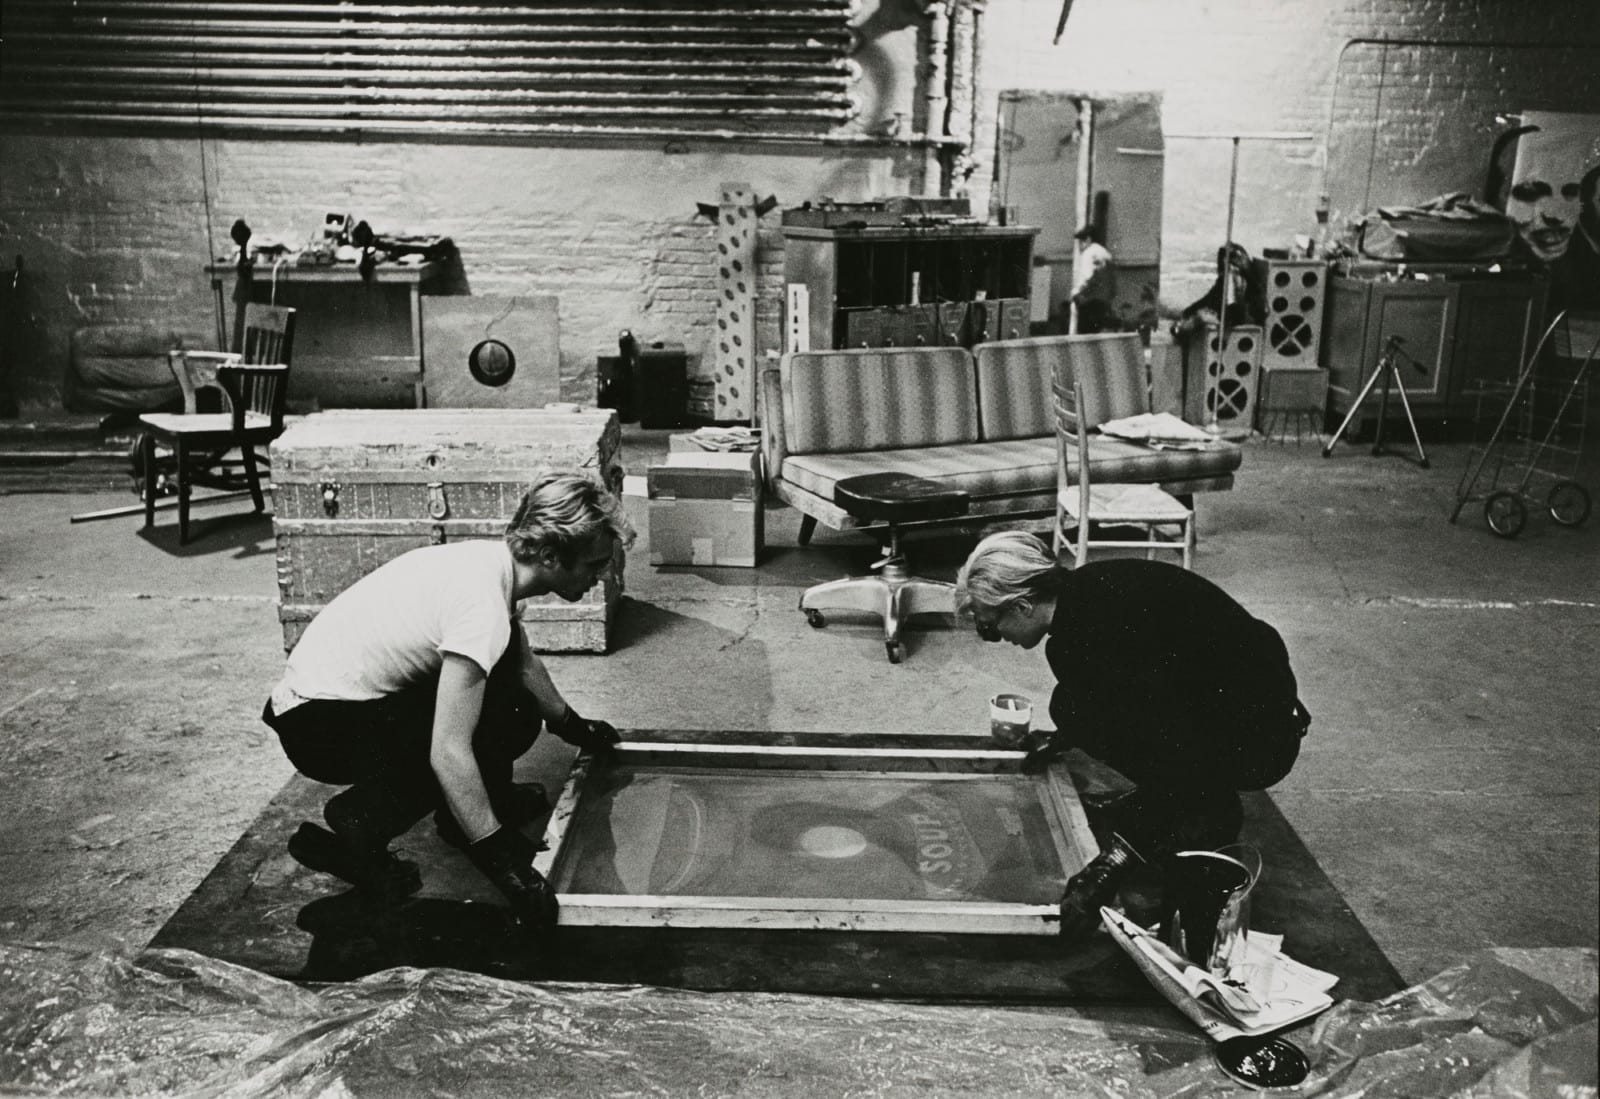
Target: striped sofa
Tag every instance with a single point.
(980, 421)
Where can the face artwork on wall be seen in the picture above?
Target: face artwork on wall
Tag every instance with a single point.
(1553, 203)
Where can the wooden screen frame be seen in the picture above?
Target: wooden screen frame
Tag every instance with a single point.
(888, 755)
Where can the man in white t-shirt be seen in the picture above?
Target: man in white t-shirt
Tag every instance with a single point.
(416, 690)
(1094, 288)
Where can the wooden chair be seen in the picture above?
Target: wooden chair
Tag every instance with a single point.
(218, 449)
(1082, 506)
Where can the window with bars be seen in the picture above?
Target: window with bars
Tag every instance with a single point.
(605, 67)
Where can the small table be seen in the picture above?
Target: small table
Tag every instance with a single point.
(411, 276)
(892, 499)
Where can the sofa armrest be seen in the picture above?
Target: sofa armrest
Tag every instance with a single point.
(774, 447)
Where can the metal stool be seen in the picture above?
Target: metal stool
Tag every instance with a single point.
(891, 499)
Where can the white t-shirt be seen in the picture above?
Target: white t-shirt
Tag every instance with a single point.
(1091, 275)
(391, 629)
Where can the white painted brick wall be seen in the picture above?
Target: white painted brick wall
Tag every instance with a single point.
(115, 229)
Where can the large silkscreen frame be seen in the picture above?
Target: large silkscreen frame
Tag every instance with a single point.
(844, 834)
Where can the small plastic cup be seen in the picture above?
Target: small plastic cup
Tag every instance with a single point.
(1010, 717)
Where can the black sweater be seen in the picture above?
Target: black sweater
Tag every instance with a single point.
(1162, 675)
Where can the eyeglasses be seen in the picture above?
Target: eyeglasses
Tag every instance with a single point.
(990, 630)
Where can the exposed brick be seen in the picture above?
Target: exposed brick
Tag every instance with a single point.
(116, 228)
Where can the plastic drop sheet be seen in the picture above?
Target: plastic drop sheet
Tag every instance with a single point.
(174, 1023)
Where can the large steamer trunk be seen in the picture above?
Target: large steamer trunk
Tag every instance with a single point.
(355, 488)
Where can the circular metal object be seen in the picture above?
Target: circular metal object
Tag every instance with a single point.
(1569, 503)
(1505, 513)
(1262, 1062)
(492, 363)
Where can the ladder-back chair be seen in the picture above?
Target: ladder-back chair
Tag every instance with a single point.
(1084, 507)
(233, 405)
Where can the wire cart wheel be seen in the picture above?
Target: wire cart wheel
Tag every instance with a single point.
(1569, 503)
(1505, 513)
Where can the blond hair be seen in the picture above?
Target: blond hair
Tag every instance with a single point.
(1005, 568)
(566, 512)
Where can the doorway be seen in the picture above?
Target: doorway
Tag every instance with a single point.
(1064, 160)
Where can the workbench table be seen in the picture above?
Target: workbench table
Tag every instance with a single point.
(292, 276)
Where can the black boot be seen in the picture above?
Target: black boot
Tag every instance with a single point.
(1094, 886)
(353, 850)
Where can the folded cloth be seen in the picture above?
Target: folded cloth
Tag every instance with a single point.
(1155, 427)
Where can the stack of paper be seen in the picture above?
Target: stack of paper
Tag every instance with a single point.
(1161, 429)
(1281, 990)
(726, 438)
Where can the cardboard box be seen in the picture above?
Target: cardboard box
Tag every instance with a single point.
(705, 509)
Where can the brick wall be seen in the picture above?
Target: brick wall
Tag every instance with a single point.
(1394, 125)
(116, 229)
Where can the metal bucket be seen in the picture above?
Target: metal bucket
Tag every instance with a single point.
(1206, 905)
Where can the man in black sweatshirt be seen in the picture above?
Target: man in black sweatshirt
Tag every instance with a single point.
(1159, 674)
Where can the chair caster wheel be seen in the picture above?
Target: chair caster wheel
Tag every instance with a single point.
(897, 651)
(814, 618)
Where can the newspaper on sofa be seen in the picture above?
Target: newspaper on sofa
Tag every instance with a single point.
(1285, 990)
(1158, 429)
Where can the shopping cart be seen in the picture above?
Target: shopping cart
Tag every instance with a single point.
(1538, 433)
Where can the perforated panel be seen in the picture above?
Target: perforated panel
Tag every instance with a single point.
(736, 302)
(1232, 375)
(1295, 291)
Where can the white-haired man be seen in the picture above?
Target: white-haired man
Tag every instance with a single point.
(1160, 674)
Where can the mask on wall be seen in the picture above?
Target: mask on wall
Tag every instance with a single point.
(1544, 200)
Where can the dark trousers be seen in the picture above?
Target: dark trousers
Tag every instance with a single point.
(379, 748)
(1096, 315)
(1198, 807)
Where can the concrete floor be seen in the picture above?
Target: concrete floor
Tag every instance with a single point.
(1449, 787)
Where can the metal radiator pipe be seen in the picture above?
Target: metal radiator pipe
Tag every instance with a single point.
(411, 128)
(933, 183)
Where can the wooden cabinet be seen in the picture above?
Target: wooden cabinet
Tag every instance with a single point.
(1458, 334)
(1498, 322)
(904, 286)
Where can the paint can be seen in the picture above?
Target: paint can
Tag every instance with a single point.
(1205, 914)
(1010, 716)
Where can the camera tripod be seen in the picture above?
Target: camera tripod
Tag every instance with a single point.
(1388, 369)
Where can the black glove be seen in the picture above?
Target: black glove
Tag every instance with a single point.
(505, 857)
(1044, 748)
(1080, 909)
(1093, 886)
(592, 736)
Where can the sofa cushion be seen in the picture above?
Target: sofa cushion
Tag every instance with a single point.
(868, 399)
(979, 469)
(1018, 466)
(1113, 460)
(1014, 397)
